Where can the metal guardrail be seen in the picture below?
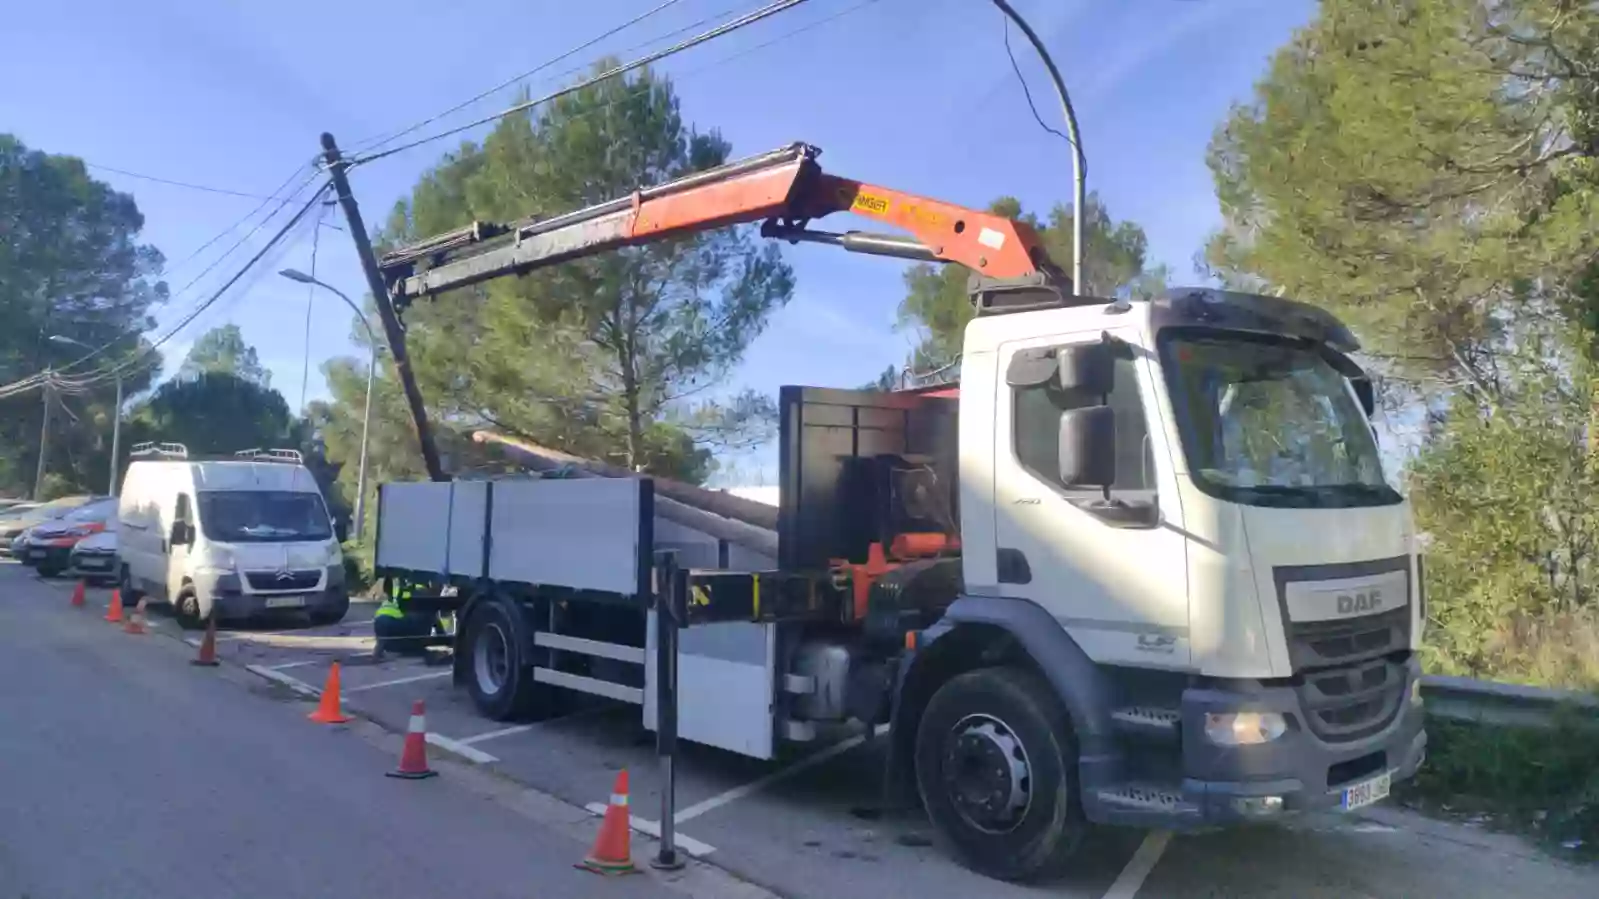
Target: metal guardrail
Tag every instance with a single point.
(1512, 705)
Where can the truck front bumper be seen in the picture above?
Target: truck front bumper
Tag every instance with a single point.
(1297, 772)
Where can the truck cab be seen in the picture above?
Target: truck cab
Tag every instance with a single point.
(1175, 512)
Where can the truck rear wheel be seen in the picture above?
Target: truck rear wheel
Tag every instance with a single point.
(996, 769)
(497, 673)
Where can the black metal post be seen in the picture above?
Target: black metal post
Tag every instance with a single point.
(671, 604)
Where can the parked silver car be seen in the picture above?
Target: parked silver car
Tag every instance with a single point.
(94, 558)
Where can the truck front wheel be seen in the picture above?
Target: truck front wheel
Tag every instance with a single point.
(497, 672)
(995, 766)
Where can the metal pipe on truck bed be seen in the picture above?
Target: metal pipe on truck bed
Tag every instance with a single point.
(722, 527)
(726, 505)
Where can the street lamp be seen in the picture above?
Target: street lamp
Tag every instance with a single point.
(371, 366)
(116, 412)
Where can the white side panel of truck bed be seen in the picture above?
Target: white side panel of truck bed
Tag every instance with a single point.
(468, 503)
(411, 526)
(575, 533)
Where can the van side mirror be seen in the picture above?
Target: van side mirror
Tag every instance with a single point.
(341, 531)
(1366, 393)
(182, 533)
(1088, 447)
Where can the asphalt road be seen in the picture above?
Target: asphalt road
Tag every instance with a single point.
(98, 721)
(125, 772)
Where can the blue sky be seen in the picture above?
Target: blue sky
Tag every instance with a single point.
(914, 94)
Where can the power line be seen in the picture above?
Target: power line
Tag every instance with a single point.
(191, 186)
(218, 294)
(764, 12)
(52, 376)
(214, 263)
(517, 78)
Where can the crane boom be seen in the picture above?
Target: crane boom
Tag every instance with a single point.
(783, 189)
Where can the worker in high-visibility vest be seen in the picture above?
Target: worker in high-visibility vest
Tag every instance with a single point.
(399, 630)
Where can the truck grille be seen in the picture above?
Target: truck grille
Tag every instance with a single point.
(1354, 702)
(275, 580)
(1319, 644)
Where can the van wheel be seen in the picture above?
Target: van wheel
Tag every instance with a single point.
(996, 770)
(125, 586)
(187, 610)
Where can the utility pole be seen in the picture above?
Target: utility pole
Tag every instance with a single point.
(116, 437)
(44, 435)
(338, 168)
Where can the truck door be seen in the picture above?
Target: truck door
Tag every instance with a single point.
(1118, 587)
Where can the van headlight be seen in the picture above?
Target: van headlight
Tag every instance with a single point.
(1244, 728)
(217, 561)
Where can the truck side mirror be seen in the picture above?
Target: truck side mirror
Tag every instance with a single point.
(1088, 447)
(1366, 393)
(1086, 368)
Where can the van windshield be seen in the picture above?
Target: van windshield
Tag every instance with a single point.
(263, 516)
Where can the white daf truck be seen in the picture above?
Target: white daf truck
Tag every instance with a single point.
(1139, 567)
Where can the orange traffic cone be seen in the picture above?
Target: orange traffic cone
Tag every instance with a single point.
(208, 645)
(77, 595)
(135, 622)
(114, 614)
(414, 758)
(330, 711)
(612, 853)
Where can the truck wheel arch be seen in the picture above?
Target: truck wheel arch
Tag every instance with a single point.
(983, 631)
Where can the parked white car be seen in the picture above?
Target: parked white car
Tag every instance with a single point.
(94, 558)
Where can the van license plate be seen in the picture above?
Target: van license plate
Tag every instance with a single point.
(1367, 792)
(285, 602)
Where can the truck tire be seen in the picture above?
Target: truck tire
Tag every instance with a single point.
(498, 676)
(996, 769)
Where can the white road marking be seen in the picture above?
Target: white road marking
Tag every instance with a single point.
(739, 792)
(653, 829)
(431, 675)
(496, 734)
(297, 686)
(287, 665)
(1139, 866)
(461, 749)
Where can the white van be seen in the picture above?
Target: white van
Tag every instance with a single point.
(245, 536)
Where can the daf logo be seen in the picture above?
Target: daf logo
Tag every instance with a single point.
(1360, 602)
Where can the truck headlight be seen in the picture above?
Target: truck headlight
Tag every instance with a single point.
(1244, 728)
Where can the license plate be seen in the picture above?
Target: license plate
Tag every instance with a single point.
(285, 602)
(36, 553)
(91, 563)
(1367, 792)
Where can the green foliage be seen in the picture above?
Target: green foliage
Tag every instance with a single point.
(937, 305)
(214, 413)
(71, 266)
(222, 350)
(611, 357)
(1426, 169)
(1547, 781)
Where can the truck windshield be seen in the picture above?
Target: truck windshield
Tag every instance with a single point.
(1268, 421)
(260, 516)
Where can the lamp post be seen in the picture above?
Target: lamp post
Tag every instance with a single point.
(116, 413)
(371, 367)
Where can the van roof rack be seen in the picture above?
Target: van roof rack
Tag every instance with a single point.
(159, 450)
(287, 456)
